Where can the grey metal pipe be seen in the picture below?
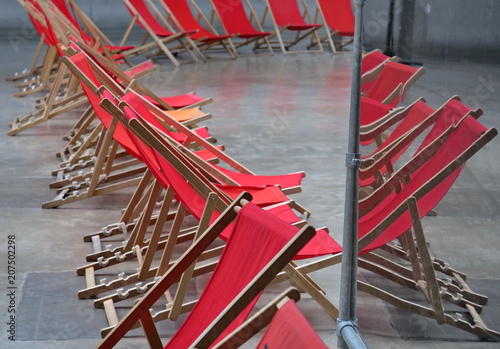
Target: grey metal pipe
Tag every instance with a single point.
(347, 304)
(349, 332)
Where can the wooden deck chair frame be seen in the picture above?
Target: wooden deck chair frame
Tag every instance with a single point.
(141, 308)
(160, 43)
(203, 43)
(285, 46)
(107, 175)
(245, 4)
(329, 31)
(258, 321)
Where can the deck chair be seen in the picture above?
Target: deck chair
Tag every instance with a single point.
(167, 183)
(337, 18)
(371, 65)
(287, 326)
(286, 16)
(374, 117)
(420, 117)
(70, 188)
(193, 201)
(221, 306)
(64, 93)
(468, 138)
(72, 154)
(161, 32)
(393, 83)
(234, 20)
(180, 14)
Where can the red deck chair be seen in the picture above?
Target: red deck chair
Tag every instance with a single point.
(81, 66)
(286, 15)
(288, 327)
(35, 70)
(192, 191)
(372, 64)
(393, 82)
(179, 12)
(337, 18)
(161, 33)
(234, 20)
(223, 306)
(243, 176)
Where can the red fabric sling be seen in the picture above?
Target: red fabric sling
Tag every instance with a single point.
(466, 134)
(233, 15)
(287, 14)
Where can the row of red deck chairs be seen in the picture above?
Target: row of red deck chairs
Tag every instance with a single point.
(195, 210)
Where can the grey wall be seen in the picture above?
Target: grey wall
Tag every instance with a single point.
(440, 28)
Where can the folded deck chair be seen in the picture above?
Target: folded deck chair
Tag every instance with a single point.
(287, 326)
(161, 32)
(393, 82)
(222, 306)
(286, 16)
(371, 65)
(234, 20)
(180, 14)
(337, 18)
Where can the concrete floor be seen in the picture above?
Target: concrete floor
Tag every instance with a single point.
(276, 115)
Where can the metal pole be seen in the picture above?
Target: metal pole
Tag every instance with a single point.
(347, 306)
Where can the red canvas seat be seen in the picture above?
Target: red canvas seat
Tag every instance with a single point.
(338, 19)
(179, 12)
(372, 64)
(393, 82)
(249, 267)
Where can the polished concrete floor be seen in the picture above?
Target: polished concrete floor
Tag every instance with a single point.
(276, 115)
